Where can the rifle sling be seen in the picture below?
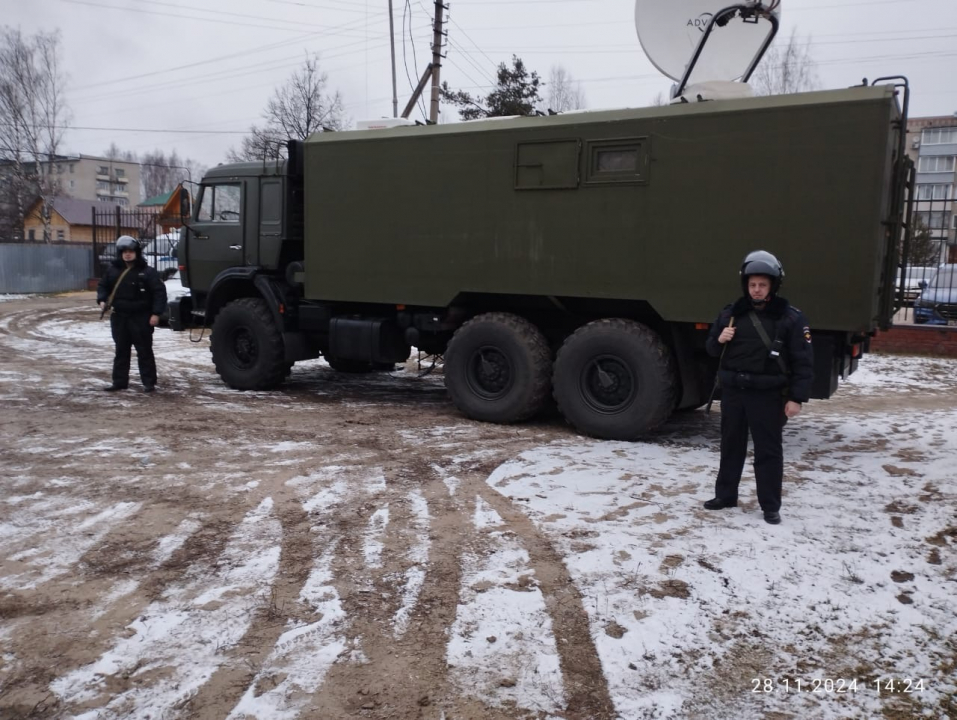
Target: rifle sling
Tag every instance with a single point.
(767, 341)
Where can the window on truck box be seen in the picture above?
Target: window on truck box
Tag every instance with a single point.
(220, 203)
(622, 160)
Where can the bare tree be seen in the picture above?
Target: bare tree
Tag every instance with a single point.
(562, 92)
(33, 118)
(786, 69)
(160, 173)
(115, 154)
(296, 110)
(659, 100)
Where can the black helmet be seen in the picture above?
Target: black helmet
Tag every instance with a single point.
(127, 242)
(761, 262)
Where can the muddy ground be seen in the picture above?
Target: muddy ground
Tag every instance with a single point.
(190, 467)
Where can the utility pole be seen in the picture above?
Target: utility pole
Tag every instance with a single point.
(437, 56)
(395, 93)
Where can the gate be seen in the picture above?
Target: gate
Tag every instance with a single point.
(159, 248)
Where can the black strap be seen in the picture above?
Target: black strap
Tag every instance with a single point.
(767, 341)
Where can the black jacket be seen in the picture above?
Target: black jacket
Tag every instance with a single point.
(747, 362)
(141, 292)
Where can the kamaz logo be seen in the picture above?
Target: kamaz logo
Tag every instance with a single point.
(701, 22)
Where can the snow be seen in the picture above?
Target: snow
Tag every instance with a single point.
(689, 610)
(814, 597)
(182, 638)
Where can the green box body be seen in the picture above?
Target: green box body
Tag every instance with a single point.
(421, 216)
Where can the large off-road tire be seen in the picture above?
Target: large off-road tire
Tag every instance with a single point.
(498, 368)
(615, 379)
(358, 367)
(247, 346)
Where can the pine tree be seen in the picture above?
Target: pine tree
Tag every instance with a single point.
(516, 93)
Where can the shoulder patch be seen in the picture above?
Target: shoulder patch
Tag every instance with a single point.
(807, 333)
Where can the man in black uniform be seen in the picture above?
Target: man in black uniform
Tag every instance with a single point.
(765, 373)
(137, 296)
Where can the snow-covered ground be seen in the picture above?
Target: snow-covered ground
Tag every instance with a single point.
(690, 613)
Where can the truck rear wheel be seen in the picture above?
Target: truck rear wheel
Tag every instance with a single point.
(247, 346)
(498, 368)
(615, 379)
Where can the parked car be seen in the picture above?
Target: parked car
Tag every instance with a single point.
(937, 302)
(913, 277)
(159, 252)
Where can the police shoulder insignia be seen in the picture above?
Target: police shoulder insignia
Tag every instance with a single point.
(807, 333)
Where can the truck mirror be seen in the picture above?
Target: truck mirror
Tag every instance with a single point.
(184, 209)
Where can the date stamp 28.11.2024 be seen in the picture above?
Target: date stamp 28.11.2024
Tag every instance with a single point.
(839, 686)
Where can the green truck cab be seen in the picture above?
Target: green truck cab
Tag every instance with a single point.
(581, 256)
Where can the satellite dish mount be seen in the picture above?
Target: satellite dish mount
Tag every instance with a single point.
(749, 13)
(724, 42)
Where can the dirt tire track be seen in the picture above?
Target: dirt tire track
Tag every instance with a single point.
(218, 696)
(586, 689)
(404, 675)
(366, 419)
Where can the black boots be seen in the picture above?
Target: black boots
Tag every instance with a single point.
(772, 518)
(149, 388)
(719, 504)
(114, 387)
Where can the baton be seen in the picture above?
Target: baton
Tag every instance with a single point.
(715, 388)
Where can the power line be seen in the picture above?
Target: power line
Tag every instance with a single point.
(140, 130)
(180, 16)
(242, 53)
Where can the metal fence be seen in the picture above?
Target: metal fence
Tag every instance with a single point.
(42, 268)
(158, 246)
(930, 275)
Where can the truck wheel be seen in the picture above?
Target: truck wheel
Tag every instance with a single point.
(497, 368)
(247, 346)
(615, 379)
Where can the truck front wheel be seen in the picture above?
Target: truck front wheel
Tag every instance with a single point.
(498, 368)
(615, 379)
(247, 346)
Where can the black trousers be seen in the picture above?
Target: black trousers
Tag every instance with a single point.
(131, 331)
(762, 413)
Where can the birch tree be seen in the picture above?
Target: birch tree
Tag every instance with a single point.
(562, 92)
(33, 118)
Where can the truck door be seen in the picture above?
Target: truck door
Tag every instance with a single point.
(216, 236)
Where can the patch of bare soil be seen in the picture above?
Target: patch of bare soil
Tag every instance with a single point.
(197, 452)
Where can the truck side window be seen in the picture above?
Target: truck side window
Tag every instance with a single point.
(227, 204)
(205, 213)
(220, 204)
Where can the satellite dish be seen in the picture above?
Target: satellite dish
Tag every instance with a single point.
(670, 32)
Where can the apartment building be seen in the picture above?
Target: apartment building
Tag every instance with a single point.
(88, 177)
(932, 145)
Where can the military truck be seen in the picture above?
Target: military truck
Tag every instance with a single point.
(580, 256)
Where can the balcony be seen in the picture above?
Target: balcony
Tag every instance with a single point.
(121, 179)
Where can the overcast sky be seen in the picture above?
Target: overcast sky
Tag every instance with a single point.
(206, 68)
